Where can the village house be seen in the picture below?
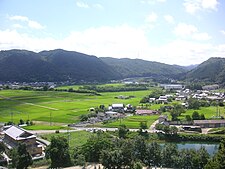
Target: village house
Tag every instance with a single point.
(112, 114)
(146, 112)
(117, 108)
(13, 136)
(209, 123)
(162, 99)
(171, 86)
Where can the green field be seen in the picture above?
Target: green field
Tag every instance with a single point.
(59, 107)
(133, 121)
(209, 112)
(76, 139)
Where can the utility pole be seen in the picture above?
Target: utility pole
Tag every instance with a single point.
(11, 117)
(50, 118)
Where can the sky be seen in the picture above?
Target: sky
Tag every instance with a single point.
(181, 32)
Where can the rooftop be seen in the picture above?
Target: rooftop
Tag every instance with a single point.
(18, 133)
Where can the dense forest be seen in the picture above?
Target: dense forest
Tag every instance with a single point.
(60, 65)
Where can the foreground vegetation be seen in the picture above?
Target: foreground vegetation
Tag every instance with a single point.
(129, 152)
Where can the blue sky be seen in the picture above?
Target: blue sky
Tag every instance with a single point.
(180, 32)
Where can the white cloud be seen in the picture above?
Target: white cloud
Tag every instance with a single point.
(19, 18)
(35, 25)
(152, 2)
(192, 6)
(169, 19)
(201, 36)
(30, 23)
(209, 4)
(17, 26)
(223, 32)
(119, 42)
(184, 30)
(82, 5)
(98, 6)
(188, 31)
(151, 17)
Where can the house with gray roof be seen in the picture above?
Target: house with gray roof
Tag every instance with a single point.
(13, 136)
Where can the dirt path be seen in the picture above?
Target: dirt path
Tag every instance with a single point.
(50, 108)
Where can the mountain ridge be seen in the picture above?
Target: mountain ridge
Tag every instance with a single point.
(61, 65)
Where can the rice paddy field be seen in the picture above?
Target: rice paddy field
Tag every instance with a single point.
(57, 107)
(48, 109)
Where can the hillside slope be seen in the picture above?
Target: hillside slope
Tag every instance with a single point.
(60, 65)
(142, 68)
(55, 65)
(212, 70)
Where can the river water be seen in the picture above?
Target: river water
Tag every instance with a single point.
(210, 148)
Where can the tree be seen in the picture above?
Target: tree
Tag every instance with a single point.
(25, 158)
(122, 131)
(139, 148)
(21, 122)
(2, 147)
(188, 118)
(143, 125)
(94, 146)
(195, 115)
(177, 111)
(112, 159)
(173, 130)
(153, 154)
(168, 155)
(58, 152)
(21, 158)
(218, 161)
(136, 165)
(202, 116)
(193, 104)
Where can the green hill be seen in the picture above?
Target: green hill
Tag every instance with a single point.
(60, 65)
(55, 65)
(212, 70)
(141, 68)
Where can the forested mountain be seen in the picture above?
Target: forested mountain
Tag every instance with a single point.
(212, 70)
(141, 68)
(60, 65)
(55, 65)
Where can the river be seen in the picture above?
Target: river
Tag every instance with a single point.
(210, 147)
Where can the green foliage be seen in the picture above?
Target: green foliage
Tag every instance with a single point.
(211, 71)
(177, 111)
(122, 131)
(153, 154)
(2, 147)
(168, 155)
(94, 146)
(156, 93)
(138, 68)
(195, 115)
(58, 152)
(218, 161)
(188, 118)
(193, 104)
(56, 65)
(21, 158)
(168, 130)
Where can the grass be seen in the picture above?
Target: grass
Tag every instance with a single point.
(76, 139)
(209, 112)
(133, 121)
(63, 107)
(45, 127)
